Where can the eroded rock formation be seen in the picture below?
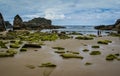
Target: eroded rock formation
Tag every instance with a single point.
(2, 23)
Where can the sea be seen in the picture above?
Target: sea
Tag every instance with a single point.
(80, 29)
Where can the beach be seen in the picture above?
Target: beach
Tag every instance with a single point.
(16, 66)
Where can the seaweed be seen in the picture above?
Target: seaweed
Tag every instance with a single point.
(71, 55)
(49, 64)
(95, 53)
(23, 49)
(60, 51)
(85, 50)
(104, 42)
(84, 38)
(111, 57)
(58, 48)
(95, 46)
(88, 63)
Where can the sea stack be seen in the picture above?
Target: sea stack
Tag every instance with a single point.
(2, 23)
(17, 23)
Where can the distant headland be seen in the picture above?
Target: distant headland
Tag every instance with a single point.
(34, 24)
(115, 26)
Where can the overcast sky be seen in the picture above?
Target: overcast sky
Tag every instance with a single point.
(63, 12)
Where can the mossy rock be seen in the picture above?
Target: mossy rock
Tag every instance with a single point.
(85, 50)
(71, 55)
(117, 54)
(11, 51)
(95, 53)
(84, 38)
(58, 48)
(111, 57)
(3, 44)
(60, 51)
(92, 35)
(14, 46)
(47, 65)
(63, 36)
(8, 53)
(30, 45)
(104, 42)
(74, 52)
(88, 63)
(95, 46)
(23, 49)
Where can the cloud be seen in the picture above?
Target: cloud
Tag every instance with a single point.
(63, 11)
(54, 14)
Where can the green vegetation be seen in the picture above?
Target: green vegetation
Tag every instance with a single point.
(74, 52)
(92, 35)
(104, 42)
(71, 55)
(14, 46)
(84, 38)
(2, 44)
(60, 51)
(47, 65)
(63, 36)
(23, 49)
(30, 66)
(114, 34)
(110, 57)
(85, 50)
(87, 63)
(8, 53)
(95, 46)
(95, 53)
(58, 48)
(75, 33)
(16, 41)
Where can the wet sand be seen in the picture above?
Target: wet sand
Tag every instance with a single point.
(16, 66)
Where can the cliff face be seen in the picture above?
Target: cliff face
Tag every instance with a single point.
(34, 24)
(18, 22)
(115, 26)
(2, 23)
(38, 23)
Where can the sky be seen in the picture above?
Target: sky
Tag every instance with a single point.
(63, 12)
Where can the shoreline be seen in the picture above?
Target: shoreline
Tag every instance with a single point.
(16, 66)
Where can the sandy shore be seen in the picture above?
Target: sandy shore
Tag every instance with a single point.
(16, 66)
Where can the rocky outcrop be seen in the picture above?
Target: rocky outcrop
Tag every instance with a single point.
(8, 25)
(2, 23)
(115, 26)
(34, 24)
(17, 23)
